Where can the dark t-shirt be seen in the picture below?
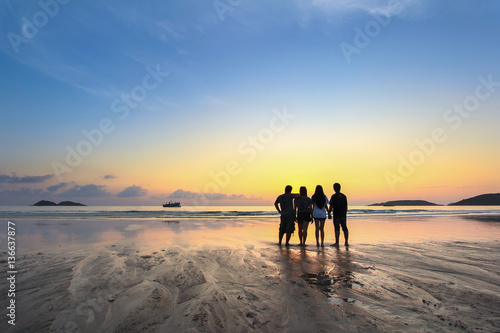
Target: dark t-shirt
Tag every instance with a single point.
(338, 202)
(286, 202)
(303, 203)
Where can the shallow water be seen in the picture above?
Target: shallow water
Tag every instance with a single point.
(434, 273)
(221, 212)
(39, 233)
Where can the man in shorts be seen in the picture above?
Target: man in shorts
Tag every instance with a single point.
(338, 205)
(284, 205)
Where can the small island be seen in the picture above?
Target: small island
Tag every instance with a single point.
(492, 199)
(405, 203)
(62, 203)
(70, 203)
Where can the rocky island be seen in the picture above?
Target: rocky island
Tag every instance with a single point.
(492, 199)
(405, 203)
(62, 203)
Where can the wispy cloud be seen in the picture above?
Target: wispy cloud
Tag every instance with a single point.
(109, 176)
(381, 7)
(52, 49)
(169, 31)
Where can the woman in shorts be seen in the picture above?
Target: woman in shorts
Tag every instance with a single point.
(303, 208)
(320, 207)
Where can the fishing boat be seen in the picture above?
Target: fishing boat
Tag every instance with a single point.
(172, 204)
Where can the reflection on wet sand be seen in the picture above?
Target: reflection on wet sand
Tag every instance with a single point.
(482, 218)
(229, 276)
(330, 271)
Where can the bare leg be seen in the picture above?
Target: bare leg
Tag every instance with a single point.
(337, 234)
(280, 238)
(288, 236)
(322, 229)
(316, 223)
(304, 233)
(346, 232)
(301, 234)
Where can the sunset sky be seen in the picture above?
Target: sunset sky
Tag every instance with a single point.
(225, 102)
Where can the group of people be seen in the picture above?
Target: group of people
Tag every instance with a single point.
(300, 208)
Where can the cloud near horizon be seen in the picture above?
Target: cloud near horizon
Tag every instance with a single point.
(29, 192)
(24, 180)
(132, 191)
(181, 194)
(86, 191)
(55, 188)
(23, 192)
(68, 191)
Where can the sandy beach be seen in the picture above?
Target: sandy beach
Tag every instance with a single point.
(227, 275)
(150, 149)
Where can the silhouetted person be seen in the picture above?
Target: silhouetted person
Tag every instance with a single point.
(304, 208)
(284, 205)
(320, 207)
(338, 205)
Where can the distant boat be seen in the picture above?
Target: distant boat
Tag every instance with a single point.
(172, 204)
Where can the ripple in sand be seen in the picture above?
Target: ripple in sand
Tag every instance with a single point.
(337, 300)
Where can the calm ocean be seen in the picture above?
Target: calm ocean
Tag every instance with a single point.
(221, 212)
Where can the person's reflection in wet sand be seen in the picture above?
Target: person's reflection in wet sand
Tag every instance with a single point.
(331, 272)
(343, 268)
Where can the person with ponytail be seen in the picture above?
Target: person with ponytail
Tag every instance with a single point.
(320, 208)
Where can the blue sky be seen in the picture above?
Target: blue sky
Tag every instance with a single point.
(229, 64)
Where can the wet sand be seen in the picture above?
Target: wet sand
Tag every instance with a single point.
(230, 276)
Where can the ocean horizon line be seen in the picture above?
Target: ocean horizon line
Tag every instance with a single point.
(189, 212)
